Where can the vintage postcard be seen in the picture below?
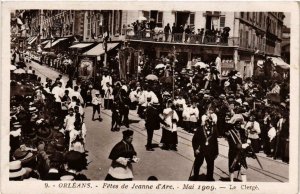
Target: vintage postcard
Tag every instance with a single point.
(149, 97)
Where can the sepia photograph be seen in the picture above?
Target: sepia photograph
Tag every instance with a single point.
(201, 96)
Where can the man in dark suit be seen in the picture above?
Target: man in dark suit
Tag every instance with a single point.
(205, 145)
(153, 121)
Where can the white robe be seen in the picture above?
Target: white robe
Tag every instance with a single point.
(169, 115)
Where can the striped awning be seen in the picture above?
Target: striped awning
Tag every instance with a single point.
(81, 45)
(49, 45)
(278, 61)
(32, 40)
(99, 50)
(45, 42)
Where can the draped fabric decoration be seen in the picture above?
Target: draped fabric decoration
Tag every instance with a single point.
(128, 62)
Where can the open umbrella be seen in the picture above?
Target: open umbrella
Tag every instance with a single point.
(201, 65)
(151, 77)
(19, 71)
(142, 18)
(159, 66)
(12, 67)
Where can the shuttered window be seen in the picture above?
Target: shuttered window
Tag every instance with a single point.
(159, 21)
(192, 19)
(222, 21)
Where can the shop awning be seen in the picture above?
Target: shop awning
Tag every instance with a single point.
(58, 40)
(99, 50)
(277, 61)
(29, 38)
(81, 45)
(54, 43)
(45, 42)
(32, 40)
(48, 45)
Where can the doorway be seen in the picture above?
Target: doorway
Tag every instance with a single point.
(208, 22)
(182, 18)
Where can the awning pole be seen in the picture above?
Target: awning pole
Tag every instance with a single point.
(105, 59)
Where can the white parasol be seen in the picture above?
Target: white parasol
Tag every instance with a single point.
(159, 66)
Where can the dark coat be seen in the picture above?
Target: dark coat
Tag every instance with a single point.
(199, 140)
(153, 119)
(122, 149)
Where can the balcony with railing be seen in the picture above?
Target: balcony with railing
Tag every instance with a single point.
(182, 38)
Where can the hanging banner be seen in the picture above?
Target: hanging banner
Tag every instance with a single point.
(226, 67)
(86, 68)
(128, 62)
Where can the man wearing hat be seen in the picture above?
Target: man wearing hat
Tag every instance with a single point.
(237, 141)
(122, 156)
(75, 162)
(108, 96)
(96, 105)
(153, 121)
(16, 172)
(205, 145)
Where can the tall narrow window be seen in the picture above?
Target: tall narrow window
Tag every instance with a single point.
(192, 20)
(222, 22)
(159, 21)
(146, 14)
(242, 14)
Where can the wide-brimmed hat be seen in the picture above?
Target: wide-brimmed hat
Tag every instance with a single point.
(222, 96)
(17, 126)
(97, 92)
(206, 96)
(67, 178)
(166, 93)
(226, 84)
(32, 109)
(155, 103)
(245, 104)
(22, 155)
(15, 169)
(127, 133)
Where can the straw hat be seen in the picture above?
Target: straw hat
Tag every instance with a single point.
(15, 169)
(67, 178)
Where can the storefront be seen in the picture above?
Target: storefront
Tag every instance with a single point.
(95, 56)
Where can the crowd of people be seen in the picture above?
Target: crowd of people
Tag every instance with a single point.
(177, 33)
(47, 136)
(48, 130)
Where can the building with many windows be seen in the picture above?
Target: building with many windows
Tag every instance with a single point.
(240, 38)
